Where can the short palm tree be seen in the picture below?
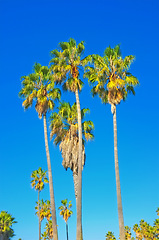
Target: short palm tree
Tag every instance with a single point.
(38, 180)
(144, 231)
(112, 82)
(110, 236)
(66, 212)
(64, 129)
(66, 65)
(48, 234)
(43, 210)
(39, 86)
(127, 233)
(6, 222)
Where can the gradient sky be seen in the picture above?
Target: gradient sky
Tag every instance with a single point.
(30, 29)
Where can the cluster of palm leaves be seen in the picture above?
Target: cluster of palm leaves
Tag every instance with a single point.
(143, 231)
(64, 129)
(109, 78)
(6, 222)
(66, 212)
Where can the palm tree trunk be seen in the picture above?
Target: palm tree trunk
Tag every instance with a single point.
(39, 216)
(67, 230)
(75, 180)
(2, 236)
(52, 200)
(118, 189)
(79, 196)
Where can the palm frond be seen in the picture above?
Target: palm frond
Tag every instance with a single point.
(55, 53)
(86, 60)
(37, 67)
(64, 45)
(80, 48)
(72, 42)
(84, 111)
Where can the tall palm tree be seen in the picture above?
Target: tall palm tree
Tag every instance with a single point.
(66, 212)
(39, 86)
(6, 222)
(112, 82)
(66, 65)
(38, 180)
(64, 129)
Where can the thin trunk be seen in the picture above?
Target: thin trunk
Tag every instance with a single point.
(67, 230)
(39, 216)
(52, 200)
(75, 180)
(79, 196)
(118, 189)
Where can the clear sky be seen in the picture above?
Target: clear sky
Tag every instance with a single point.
(30, 29)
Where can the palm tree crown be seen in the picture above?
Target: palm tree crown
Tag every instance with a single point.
(67, 62)
(110, 236)
(39, 178)
(39, 86)
(64, 129)
(6, 222)
(65, 210)
(43, 210)
(110, 77)
(48, 234)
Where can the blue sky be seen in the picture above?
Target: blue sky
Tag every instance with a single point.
(29, 31)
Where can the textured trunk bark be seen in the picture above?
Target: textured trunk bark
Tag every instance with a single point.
(118, 189)
(52, 200)
(79, 196)
(39, 216)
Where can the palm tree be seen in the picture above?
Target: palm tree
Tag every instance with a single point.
(66, 64)
(39, 178)
(6, 222)
(144, 231)
(66, 212)
(127, 233)
(64, 129)
(112, 82)
(48, 234)
(43, 209)
(110, 236)
(39, 86)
